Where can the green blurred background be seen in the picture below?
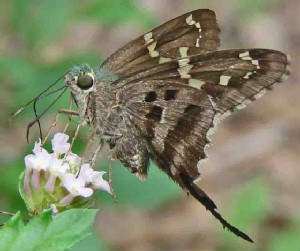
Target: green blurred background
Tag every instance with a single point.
(253, 170)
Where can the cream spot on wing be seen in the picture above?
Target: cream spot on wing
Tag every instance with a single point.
(244, 55)
(164, 60)
(151, 48)
(255, 62)
(189, 20)
(183, 71)
(247, 75)
(183, 62)
(224, 80)
(197, 42)
(196, 83)
(183, 51)
(148, 37)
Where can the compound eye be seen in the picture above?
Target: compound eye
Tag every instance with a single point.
(85, 82)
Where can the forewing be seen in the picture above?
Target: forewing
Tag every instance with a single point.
(195, 32)
(232, 78)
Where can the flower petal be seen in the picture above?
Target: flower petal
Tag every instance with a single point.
(60, 143)
(67, 200)
(85, 192)
(35, 179)
(50, 183)
(86, 173)
(99, 183)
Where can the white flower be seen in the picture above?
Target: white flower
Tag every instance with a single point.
(36, 162)
(60, 143)
(94, 177)
(57, 168)
(62, 173)
(76, 186)
(39, 160)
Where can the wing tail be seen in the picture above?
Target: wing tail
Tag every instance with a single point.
(208, 203)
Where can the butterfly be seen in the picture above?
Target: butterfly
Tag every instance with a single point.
(160, 97)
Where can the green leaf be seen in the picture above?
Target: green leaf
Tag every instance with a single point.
(91, 243)
(10, 231)
(43, 233)
(67, 228)
(32, 233)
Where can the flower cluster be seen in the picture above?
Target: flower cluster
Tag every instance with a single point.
(56, 178)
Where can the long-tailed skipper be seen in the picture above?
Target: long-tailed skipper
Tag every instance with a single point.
(160, 97)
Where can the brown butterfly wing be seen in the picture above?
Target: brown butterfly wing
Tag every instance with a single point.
(195, 32)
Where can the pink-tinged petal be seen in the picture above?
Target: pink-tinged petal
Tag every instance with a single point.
(85, 192)
(35, 179)
(104, 185)
(67, 200)
(50, 183)
(86, 173)
(38, 148)
(60, 143)
(29, 161)
(99, 183)
(27, 175)
(57, 167)
(76, 186)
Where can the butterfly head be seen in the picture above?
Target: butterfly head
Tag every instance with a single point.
(82, 82)
(81, 79)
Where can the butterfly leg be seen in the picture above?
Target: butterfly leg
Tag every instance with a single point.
(133, 154)
(92, 149)
(69, 112)
(110, 179)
